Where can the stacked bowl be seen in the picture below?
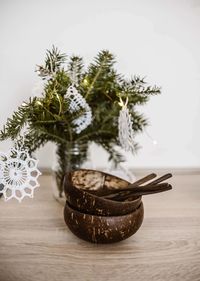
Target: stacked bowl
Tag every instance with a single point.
(94, 218)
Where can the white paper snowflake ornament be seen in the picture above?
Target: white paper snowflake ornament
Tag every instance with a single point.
(76, 103)
(18, 174)
(125, 130)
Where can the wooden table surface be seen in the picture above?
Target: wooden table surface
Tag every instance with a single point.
(35, 243)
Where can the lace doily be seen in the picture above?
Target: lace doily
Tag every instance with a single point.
(18, 174)
(125, 130)
(76, 103)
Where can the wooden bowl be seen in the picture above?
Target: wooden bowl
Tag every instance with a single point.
(78, 182)
(103, 229)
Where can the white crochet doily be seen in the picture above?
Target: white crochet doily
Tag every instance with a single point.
(18, 174)
(125, 130)
(76, 103)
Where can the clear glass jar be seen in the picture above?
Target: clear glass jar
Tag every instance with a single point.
(70, 156)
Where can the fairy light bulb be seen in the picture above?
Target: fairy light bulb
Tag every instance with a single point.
(154, 141)
(85, 82)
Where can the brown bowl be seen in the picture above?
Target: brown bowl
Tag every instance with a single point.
(78, 182)
(103, 229)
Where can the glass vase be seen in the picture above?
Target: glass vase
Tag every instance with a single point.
(70, 156)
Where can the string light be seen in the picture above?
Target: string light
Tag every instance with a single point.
(85, 82)
(154, 141)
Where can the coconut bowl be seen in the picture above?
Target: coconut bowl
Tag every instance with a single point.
(103, 229)
(78, 185)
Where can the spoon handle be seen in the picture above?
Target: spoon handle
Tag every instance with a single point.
(158, 180)
(142, 190)
(114, 194)
(145, 179)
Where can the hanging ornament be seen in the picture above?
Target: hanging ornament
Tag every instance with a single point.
(18, 174)
(77, 103)
(125, 130)
(73, 73)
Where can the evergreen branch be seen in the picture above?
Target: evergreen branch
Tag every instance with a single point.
(33, 140)
(46, 122)
(18, 120)
(53, 137)
(75, 69)
(95, 135)
(139, 121)
(104, 61)
(53, 62)
(114, 156)
(93, 82)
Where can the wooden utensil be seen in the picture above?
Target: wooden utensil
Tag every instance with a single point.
(143, 190)
(106, 192)
(131, 189)
(159, 180)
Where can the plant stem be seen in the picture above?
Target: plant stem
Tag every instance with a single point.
(95, 78)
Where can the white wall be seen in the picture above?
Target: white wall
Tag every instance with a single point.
(158, 39)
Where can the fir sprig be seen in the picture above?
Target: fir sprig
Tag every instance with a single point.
(53, 62)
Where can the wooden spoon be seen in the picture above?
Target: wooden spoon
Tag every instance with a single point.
(163, 178)
(113, 194)
(143, 190)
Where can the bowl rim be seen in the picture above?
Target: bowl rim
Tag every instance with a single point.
(100, 216)
(96, 196)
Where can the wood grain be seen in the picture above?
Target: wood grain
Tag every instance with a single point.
(35, 243)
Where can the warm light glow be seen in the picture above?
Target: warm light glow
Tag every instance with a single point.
(38, 102)
(85, 82)
(155, 142)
